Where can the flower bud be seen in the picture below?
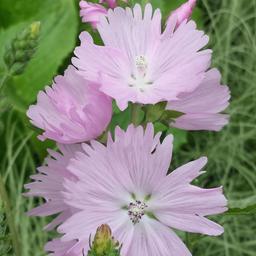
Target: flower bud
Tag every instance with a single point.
(182, 13)
(104, 243)
(22, 49)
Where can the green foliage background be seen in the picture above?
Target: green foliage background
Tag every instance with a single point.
(231, 25)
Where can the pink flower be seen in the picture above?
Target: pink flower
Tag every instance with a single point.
(48, 183)
(184, 12)
(72, 110)
(124, 185)
(201, 107)
(139, 63)
(91, 12)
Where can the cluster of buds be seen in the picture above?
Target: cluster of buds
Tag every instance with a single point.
(104, 244)
(21, 49)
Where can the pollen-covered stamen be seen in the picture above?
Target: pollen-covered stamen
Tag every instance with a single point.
(136, 210)
(141, 65)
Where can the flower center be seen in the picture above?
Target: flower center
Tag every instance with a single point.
(136, 211)
(141, 65)
(139, 78)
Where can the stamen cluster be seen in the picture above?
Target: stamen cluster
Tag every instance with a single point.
(136, 211)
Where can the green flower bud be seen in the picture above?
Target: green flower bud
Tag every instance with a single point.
(104, 244)
(35, 30)
(22, 49)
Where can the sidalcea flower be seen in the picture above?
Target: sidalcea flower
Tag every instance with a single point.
(125, 185)
(201, 108)
(91, 12)
(48, 183)
(72, 110)
(138, 62)
(184, 12)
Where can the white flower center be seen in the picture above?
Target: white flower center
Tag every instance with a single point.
(136, 210)
(141, 65)
(139, 78)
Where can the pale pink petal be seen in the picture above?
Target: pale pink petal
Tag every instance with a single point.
(196, 122)
(186, 207)
(183, 206)
(152, 238)
(48, 183)
(202, 106)
(71, 110)
(58, 220)
(190, 223)
(209, 98)
(182, 175)
(57, 247)
(91, 12)
(84, 223)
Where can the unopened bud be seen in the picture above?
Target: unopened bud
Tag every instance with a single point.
(182, 13)
(22, 49)
(35, 30)
(104, 243)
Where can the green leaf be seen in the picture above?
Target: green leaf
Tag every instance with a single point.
(121, 119)
(170, 115)
(154, 112)
(13, 11)
(249, 210)
(159, 127)
(59, 20)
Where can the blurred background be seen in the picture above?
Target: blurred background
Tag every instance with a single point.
(231, 25)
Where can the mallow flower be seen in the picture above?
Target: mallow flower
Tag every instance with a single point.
(201, 108)
(138, 62)
(127, 185)
(72, 110)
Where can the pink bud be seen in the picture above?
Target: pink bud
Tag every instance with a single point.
(91, 12)
(183, 12)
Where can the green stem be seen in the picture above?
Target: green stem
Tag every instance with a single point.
(9, 217)
(188, 242)
(135, 114)
(5, 78)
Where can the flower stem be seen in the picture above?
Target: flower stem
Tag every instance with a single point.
(4, 79)
(135, 114)
(188, 242)
(9, 217)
